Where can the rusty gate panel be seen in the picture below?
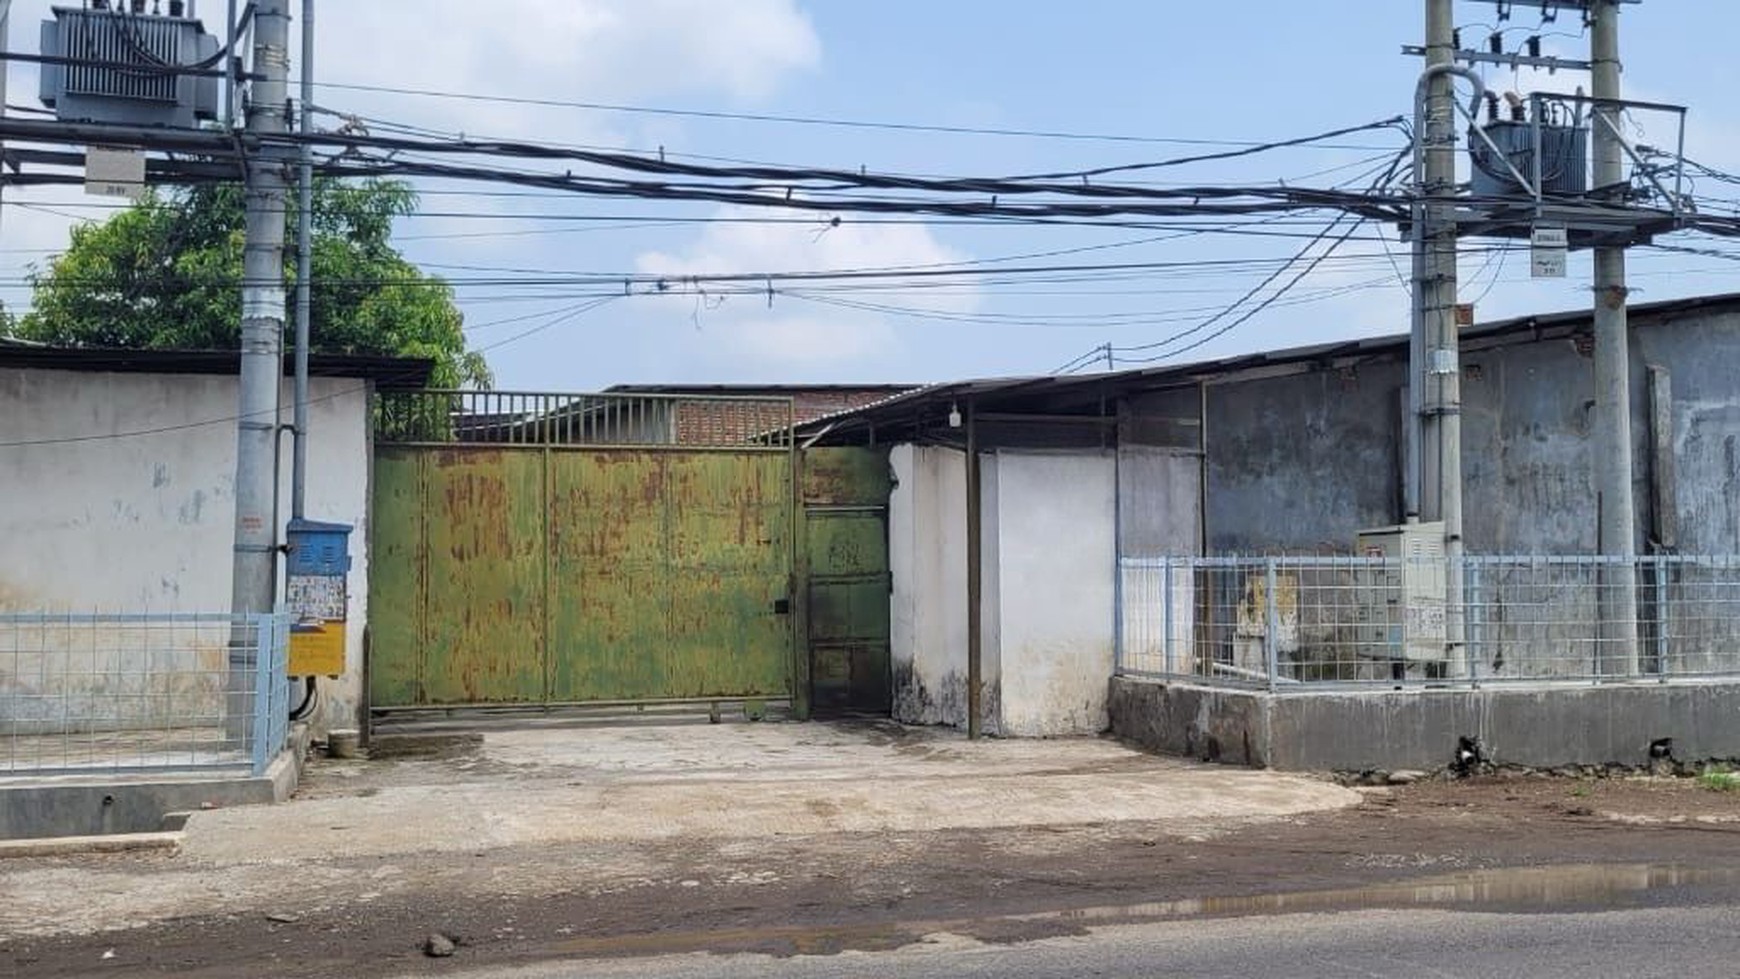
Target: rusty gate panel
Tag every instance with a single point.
(607, 569)
(730, 520)
(484, 597)
(396, 564)
(666, 567)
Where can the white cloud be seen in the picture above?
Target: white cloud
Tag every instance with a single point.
(614, 51)
(569, 50)
(575, 50)
(745, 329)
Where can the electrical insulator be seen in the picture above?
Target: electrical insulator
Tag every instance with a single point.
(1456, 38)
(1496, 43)
(1535, 46)
(1491, 107)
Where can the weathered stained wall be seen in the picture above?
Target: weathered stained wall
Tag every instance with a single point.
(126, 501)
(1702, 355)
(1160, 474)
(1053, 584)
(1303, 461)
(1527, 451)
(927, 545)
(1049, 555)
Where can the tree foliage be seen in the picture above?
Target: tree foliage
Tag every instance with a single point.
(167, 273)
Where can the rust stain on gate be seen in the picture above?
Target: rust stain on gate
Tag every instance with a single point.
(521, 570)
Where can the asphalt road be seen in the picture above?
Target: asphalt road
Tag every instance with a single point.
(1683, 943)
(890, 853)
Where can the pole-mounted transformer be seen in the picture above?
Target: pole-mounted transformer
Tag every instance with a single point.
(117, 63)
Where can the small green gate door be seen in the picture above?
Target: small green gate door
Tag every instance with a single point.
(846, 549)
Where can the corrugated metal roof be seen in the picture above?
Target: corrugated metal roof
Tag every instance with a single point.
(1152, 377)
(388, 373)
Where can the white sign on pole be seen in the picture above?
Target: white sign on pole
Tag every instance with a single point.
(1548, 247)
(112, 172)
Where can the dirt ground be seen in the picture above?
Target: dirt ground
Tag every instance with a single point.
(362, 912)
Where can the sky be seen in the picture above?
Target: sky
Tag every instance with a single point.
(1126, 81)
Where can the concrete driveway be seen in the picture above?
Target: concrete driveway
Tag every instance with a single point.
(549, 809)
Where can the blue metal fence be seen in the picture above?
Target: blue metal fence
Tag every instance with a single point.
(91, 694)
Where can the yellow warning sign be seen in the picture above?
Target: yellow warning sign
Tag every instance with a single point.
(316, 648)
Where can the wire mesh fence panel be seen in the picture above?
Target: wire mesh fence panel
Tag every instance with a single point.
(1262, 620)
(90, 693)
(1294, 622)
(1534, 618)
(1696, 607)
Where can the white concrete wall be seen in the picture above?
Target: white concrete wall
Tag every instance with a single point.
(1049, 558)
(1056, 529)
(927, 520)
(126, 502)
(990, 589)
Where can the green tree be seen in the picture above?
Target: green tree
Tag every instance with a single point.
(166, 273)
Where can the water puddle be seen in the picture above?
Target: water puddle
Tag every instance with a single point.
(1574, 887)
(1515, 890)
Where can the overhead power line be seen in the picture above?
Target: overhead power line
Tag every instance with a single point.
(1250, 294)
(1391, 123)
(811, 120)
(1110, 352)
(1242, 318)
(626, 281)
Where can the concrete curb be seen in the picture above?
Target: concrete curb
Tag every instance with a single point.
(1531, 726)
(285, 772)
(35, 812)
(59, 846)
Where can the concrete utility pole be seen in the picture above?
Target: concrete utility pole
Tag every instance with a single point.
(304, 270)
(1436, 384)
(1612, 360)
(262, 361)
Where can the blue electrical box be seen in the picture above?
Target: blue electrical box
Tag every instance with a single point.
(318, 548)
(317, 593)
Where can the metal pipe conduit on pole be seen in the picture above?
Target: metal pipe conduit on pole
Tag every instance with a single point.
(230, 55)
(304, 270)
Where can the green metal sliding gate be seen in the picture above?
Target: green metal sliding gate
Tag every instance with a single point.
(554, 549)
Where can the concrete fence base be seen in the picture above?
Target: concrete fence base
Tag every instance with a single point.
(1536, 726)
(32, 808)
